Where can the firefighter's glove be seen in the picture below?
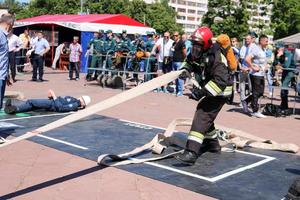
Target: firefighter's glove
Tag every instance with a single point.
(185, 74)
(197, 94)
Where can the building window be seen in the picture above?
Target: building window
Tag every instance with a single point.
(190, 26)
(201, 5)
(181, 17)
(181, 10)
(201, 12)
(189, 3)
(191, 11)
(191, 18)
(173, 1)
(181, 2)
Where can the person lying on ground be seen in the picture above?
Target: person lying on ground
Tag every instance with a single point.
(53, 103)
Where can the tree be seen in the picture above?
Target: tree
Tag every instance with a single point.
(227, 16)
(162, 17)
(12, 5)
(137, 10)
(43, 7)
(159, 15)
(108, 6)
(285, 18)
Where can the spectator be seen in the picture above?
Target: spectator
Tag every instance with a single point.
(179, 55)
(53, 103)
(75, 53)
(6, 24)
(244, 71)
(14, 46)
(188, 44)
(65, 49)
(164, 46)
(57, 55)
(24, 37)
(40, 49)
(257, 62)
(234, 74)
(269, 75)
(34, 39)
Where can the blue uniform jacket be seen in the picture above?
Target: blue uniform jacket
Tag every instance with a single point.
(66, 104)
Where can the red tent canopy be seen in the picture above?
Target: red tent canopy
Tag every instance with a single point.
(93, 18)
(93, 22)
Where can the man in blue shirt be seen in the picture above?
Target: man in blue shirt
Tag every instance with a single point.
(40, 49)
(53, 103)
(6, 24)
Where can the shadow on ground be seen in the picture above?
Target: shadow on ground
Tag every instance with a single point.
(51, 182)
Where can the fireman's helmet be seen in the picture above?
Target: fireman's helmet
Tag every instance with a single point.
(202, 35)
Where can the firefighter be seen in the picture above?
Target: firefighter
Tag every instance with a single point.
(96, 46)
(209, 62)
(149, 62)
(126, 42)
(285, 58)
(125, 47)
(109, 47)
(53, 103)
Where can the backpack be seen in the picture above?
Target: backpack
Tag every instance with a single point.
(272, 110)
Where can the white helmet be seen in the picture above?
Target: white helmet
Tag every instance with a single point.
(86, 99)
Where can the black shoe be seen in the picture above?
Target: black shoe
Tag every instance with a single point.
(210, 145)
(41, 80)
(10, 109)
(34, 79)
(285, 112)
(187, 156)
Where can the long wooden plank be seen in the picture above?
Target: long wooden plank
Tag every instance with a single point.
(103, 105)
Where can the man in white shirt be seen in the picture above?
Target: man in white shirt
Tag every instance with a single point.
(14, 46)
(244, 70)
(34, 39)
(257, 61)
(164, 46)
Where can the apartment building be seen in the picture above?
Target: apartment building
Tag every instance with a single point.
(260, 20)
(190, 12)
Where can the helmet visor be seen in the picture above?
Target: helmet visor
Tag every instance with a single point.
(197, 49)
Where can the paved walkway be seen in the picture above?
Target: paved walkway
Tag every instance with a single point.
(33, 171)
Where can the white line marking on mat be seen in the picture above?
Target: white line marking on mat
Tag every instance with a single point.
(35, 116)
(176, 170)
(213, 179)
(64, 142)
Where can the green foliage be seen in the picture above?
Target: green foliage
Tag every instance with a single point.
(12, 5)
(159, 15)
(285, 18)
(108, 6)
(43, 7)
(162, 18)
(226, 16)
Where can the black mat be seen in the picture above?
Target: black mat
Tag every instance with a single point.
(107, 135)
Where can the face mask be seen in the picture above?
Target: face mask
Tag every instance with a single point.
(196, 51)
